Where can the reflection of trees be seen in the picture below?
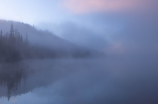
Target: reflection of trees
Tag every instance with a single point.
(11, 76)
(39, 73)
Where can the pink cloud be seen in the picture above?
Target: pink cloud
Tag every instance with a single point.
(116, 48)
(86, 6)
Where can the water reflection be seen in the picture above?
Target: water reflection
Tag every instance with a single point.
(23, 77)
(107, 81)
(11, 75)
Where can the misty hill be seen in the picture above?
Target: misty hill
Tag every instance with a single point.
(23, 41)
(38, 37)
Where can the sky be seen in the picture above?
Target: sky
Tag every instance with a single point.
(91, 23)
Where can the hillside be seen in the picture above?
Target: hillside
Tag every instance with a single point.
(20, 41)
(35, 36)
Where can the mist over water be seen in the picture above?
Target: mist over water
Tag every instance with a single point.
(113, 80)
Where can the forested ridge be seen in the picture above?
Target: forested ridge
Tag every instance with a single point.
(11, 45)
(15, 47)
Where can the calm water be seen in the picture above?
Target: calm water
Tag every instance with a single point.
(80, 81)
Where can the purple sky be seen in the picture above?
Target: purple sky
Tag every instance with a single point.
(86, 22)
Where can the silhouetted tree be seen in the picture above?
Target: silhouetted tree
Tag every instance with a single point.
(1, 34)
(26, 40)
(11, 35)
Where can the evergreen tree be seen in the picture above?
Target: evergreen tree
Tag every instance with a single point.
(21, 39)
(1, 34)
(26, 39)
(15, 33)
(11, 31)
(11, 35)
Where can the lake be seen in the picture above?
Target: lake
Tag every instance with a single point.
(113, 80)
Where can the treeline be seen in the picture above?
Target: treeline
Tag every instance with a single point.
(11, 44)
(15, 47)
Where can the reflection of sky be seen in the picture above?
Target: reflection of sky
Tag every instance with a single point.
(31, 98)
